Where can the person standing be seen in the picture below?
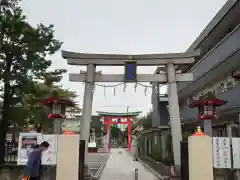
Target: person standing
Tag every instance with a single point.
(33, 170)
(136, 152)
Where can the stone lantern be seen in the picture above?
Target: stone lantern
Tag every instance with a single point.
(207, 109)
(207, 106)
(57, 106)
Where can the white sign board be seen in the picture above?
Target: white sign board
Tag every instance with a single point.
(221, 152)
(236, 152)
(49, 157)
(28, 140)
(25, 144)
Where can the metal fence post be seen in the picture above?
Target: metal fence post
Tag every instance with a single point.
(136, 174)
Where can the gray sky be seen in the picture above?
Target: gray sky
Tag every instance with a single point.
(126, 26)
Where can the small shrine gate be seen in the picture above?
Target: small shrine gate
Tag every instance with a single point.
(119, 118)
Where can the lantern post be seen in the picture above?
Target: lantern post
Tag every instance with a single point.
(207, 110)
(57, 106)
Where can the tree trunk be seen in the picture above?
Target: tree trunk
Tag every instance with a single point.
(5, 110)
(4, 122)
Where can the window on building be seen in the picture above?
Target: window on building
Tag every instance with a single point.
(236, 81)
(194, 98)
(188, 101)
(221, 85)
(220, 88)
(229, 83)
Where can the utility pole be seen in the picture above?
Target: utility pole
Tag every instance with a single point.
(127, 112)
(128, 109)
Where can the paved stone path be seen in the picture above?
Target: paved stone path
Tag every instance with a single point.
(120, 166)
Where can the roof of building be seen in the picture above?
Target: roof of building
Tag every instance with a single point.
(222, 24)
(102, 113)
(213, 24)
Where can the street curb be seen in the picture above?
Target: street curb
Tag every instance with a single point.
(159, 176)
(100, 170)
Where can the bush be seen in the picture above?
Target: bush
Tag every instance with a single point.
(156, 153)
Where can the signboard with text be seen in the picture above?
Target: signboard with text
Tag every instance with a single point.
(236, 152)
(221, 152)
(28, 141)
(130, 71)
(49, 157)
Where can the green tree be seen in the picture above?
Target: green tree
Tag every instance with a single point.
(23, 59)
(115, 132)
(34, 111)
(125, 132)
(146, 121)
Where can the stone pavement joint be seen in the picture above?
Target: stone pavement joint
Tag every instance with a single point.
(120, 166)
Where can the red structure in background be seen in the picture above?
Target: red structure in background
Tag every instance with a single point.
(108, 120)
(119, 118)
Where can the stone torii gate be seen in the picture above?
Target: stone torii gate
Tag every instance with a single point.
(170, 61)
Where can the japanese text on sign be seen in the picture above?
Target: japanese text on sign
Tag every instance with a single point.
(221, 152)
(236, 152)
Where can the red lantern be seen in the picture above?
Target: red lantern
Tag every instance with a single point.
(207, 107)
(57, 106)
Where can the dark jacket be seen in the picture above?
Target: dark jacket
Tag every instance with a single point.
(33, 167)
